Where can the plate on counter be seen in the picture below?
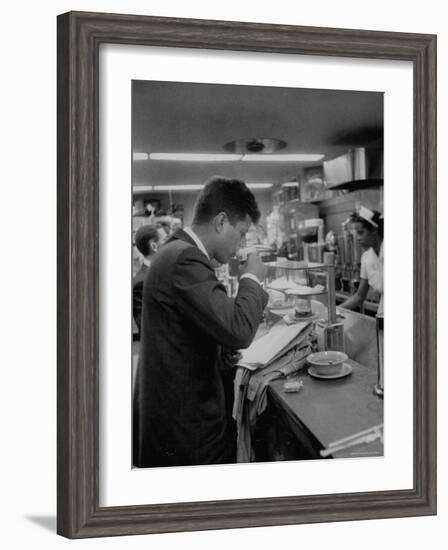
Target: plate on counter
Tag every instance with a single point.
(345, 371)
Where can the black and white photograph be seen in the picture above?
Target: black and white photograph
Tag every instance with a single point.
(208, 208)
(257, 274)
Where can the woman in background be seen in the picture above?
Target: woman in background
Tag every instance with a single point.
(369, 228)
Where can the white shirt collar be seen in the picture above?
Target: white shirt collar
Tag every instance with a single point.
(196, 240)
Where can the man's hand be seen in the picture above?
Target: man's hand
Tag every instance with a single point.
(229, 358)
(255, 266)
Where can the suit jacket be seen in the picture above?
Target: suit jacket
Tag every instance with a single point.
(187, 316)
(137, 294)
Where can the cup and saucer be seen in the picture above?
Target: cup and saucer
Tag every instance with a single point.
(328, 365)
(346, 369)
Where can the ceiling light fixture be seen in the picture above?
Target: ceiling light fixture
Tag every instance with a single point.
(266, 146)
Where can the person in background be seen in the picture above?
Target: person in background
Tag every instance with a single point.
(187, 318)
(148, 238)
(143, 213)
(369, 227)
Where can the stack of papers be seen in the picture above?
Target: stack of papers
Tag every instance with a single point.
(277, 342)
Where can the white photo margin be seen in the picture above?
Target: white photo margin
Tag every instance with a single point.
(119, 484)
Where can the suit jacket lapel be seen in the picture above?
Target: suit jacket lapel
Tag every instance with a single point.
(180, 234)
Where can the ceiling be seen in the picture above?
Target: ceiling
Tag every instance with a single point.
(186, 117)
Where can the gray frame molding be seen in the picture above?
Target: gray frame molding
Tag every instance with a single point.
(79, 37)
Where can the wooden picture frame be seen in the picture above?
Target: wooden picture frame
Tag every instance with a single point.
(79, 37)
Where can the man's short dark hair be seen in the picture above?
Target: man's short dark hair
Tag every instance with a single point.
(231, 196)
(145, 234)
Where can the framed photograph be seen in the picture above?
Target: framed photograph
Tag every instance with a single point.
(357, 110)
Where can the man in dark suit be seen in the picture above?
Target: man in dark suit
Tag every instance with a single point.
(187, 318)
(147, 240)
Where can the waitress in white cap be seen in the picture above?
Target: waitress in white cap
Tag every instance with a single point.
(369, 228)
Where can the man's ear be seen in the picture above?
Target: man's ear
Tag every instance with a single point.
(154, 246)
(219, 221)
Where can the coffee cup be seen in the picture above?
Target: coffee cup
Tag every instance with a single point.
(327, 363)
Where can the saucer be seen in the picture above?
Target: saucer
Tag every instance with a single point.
(290, 318)
(345, 371)
(280, 310)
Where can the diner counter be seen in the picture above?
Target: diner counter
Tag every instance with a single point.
(325, 411)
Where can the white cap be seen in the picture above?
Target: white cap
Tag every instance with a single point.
(367, 214)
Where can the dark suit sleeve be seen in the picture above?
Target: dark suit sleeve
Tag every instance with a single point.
(203, 300)
(137, 303)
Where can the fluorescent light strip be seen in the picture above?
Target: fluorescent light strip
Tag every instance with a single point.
(178, 187)
(259, 185)
(282, 158)
(141, 189)
(195, 157)
(194, 187)
(226, 157)
(140, 156)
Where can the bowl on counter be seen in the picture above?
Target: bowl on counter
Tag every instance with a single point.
(327, 363)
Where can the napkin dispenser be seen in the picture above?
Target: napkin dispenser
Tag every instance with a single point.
(332, 335)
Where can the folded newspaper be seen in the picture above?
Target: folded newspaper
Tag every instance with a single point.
(276, 343)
